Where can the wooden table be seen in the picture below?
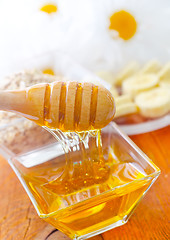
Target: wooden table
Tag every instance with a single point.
(19, 221)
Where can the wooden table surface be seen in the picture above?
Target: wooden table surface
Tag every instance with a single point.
(19, 221)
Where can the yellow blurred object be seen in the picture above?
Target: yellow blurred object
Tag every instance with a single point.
(123, 99)
(164, 72)
(165, 82)
(48, 71)
(124, 23)
(125, 106)
(49, 8)
(114, 92)
(126, 109)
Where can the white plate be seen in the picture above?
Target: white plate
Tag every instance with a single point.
(133, 129)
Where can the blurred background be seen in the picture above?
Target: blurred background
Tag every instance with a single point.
(101, 35)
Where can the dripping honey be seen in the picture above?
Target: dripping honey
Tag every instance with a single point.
(77, 194)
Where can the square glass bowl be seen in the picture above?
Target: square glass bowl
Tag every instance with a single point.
(80, 206)
(96, 185)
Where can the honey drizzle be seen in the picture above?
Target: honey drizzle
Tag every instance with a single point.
(62, 105)
(93, 106)
(77, 107)
(89, 169)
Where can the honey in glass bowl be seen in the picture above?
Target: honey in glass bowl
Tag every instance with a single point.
(90, 183)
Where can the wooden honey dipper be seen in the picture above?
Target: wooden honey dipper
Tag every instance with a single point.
(69, 106)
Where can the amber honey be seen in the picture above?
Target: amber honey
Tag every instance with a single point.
(87, 189)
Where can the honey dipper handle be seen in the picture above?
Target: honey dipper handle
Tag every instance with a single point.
(11, 100)
(28, 102)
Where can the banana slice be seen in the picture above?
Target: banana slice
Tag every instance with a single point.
(128, 71)
(124, 106)
(125, 109)
(154, 103)
(114, 92)
(107, 76)
(139, 83)
(165, 83)
(164, 76)
(123, 99)
(164, 72)
(151, 67)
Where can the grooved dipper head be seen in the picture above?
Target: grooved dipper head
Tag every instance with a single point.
(69, 106)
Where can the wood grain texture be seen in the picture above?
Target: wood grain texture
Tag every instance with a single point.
(19, 221)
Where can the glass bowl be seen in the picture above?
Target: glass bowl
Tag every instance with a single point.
(87, 208)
